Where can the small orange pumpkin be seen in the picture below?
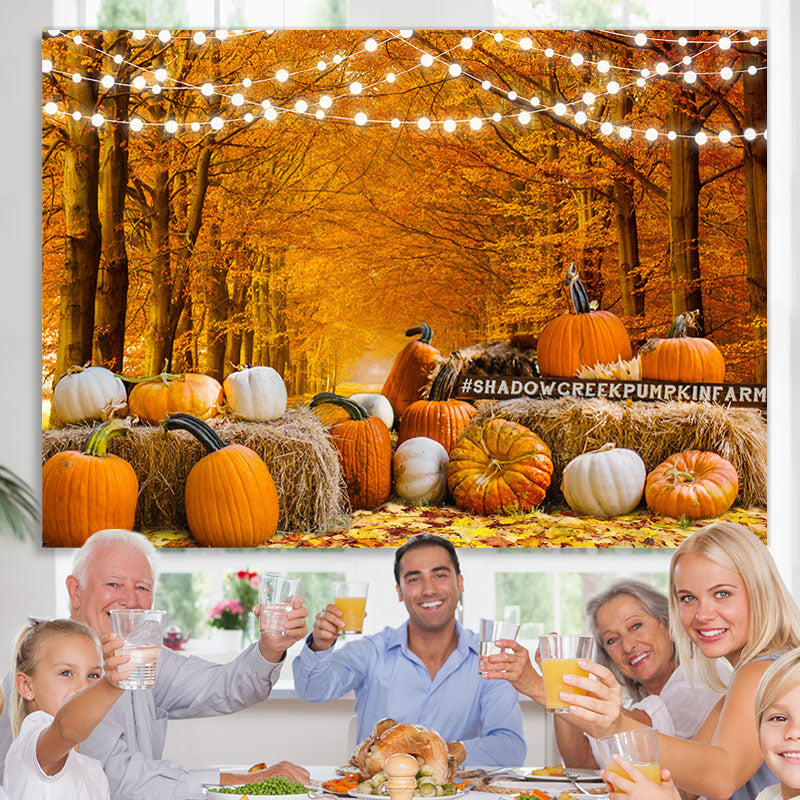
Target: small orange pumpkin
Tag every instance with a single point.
(412, 367)
(694, 484)
(230, 497)
(585, 337)
(499, 467)
(438, 417)
(678, 357)
(153, 399)
(83, 493)
(365, 454)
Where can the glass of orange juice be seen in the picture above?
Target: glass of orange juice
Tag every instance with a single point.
(560, 654)
(350, 597)
(639, 746)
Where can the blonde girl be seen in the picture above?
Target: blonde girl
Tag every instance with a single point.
(778, 718)
(60, 693)
(727, 601)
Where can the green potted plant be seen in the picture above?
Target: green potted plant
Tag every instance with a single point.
(19, 509)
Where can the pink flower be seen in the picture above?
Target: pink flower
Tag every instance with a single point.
(254, 581)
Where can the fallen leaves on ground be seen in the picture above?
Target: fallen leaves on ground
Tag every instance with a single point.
(392, 523)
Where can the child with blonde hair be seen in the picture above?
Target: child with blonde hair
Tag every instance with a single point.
(59, 695)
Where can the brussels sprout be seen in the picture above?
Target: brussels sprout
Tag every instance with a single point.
(378, 778)
(427, 790)
(425, 771)
(448, 789)
(366, 787)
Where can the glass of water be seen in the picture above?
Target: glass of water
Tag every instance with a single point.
(490, 631)
(141, 631)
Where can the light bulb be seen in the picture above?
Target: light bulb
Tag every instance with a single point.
(426, 60)
(683, 41)
(754, 41)
(221, 35)
(50, 108)
(751, 70)
(726, 73)
(138, 35)
(370, 45)
(724, 136)
(613, 87)
(672, 136)
(640, 39)
(423, 123)
(207, 90)
(524, 117)
(198, 37)
(161, 75)
(525, 43)
(687, 60)
(534, 101)
(337, 59)
(76, 115)
(476, 123)
(454, 70)
(390, 77)
(118, 58)
(53, 33)
(171, 126)
(641, 83)
(321, 65)
(136, 124)
(301, 106)
(217, 123)
(603, 66)
(247, 83)
(47, 65)
(355, 87)
(360, 118)
(107, 81)
(701, 137)
(325, 101)
(662, 68)
(651, 134)
(498, 37)
(588, 98)
(78, 39)
(196, 125)
(625, 132)
(156, 88)
(76, 77)
(237, 99)
(689, 76)
(645, 73)
(164, 36)
(271, 114)
(265, 104)
(724, 43)
(407, 34)
(512, 95)
(580, 117)
(466, 43)
(576, 59)
(560, 109)
(486, 86)
(139, 82)
(749, 134)
(282, 76)
(496, 117)
(319, 114)
(449, 125)
(606, 129)
(395, 123)
(549, 52)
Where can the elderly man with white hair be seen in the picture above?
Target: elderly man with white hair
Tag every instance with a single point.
(117, 569)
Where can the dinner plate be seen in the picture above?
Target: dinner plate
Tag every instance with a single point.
(525, 774)
(354, 793)
(210, 792)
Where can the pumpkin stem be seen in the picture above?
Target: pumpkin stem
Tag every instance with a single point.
(443, 384)
(97, 443)
(682, 323)
(580, 300)
(355, 411)
(425, 330)
(676, 475)
(203, 432)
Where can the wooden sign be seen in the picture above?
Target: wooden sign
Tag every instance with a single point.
(747, 395)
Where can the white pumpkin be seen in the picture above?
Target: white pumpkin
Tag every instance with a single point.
(605, 482)
(88, 393)
(420, 471)
(376, 405)
(256, 393)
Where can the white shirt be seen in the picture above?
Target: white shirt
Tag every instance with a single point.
(81, 777)
(773, 793)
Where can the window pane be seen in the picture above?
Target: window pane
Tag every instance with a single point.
(186, 597)
(316, 588)
(252, 14)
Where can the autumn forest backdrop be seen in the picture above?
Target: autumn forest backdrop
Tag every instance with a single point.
(299, 238)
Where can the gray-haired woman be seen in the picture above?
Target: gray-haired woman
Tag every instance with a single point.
(630, 623)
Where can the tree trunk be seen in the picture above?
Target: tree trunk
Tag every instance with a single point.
(217, 304)
(236, 319)
(112, 281)
(260, 311)
(81, 225)
(184, 356)
(630, 278)
(755, 173)
(684, 216)
(279, 336)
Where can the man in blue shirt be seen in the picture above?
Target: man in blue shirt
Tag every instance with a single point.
(425, 671)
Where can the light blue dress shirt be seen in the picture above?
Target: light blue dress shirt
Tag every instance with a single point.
(390, 681)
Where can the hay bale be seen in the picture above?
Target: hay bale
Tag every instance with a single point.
(571, 426)
(296, 448)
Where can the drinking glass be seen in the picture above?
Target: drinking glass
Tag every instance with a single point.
(490, 631)
(141, 631)
(276, 595)
(560, 655)
(350, 597)
(639, 746)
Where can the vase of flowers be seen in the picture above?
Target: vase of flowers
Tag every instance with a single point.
(243, 586)
(227, 618)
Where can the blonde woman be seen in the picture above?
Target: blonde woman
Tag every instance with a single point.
(727, 601)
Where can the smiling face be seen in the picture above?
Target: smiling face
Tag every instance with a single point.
(429, 587)
(65, 665)
(117, 576)
(780, 740)
(636, 642)
(714, 607)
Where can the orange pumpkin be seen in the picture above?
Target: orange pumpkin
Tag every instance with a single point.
(694, 484)
(365, 454)
(687, 359)
(83, 493)
(153, 399)
(583, 338)
(230, 497)
(437, 417)
(499, 467)
(410, 372)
